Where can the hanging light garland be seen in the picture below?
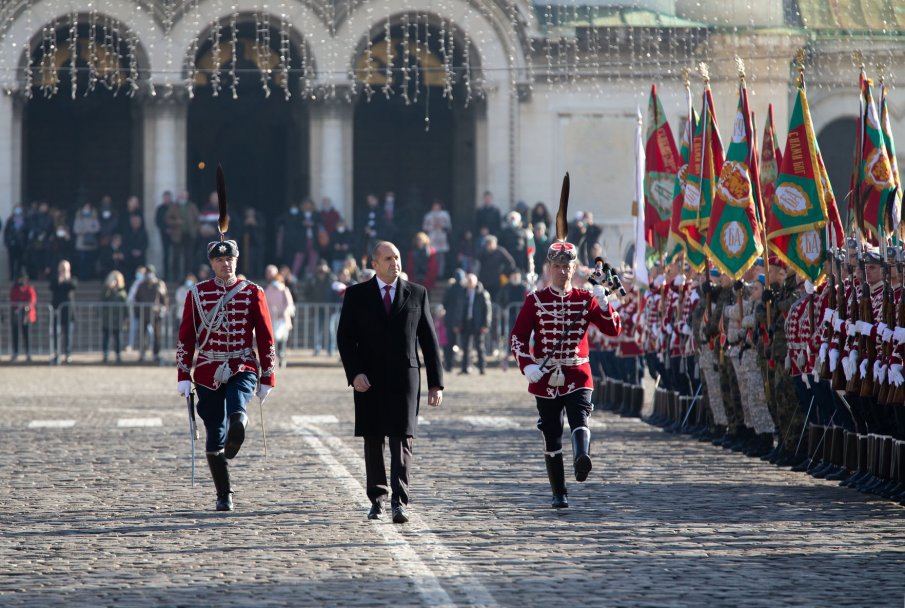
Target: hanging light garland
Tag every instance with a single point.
(285, 52)
(580, 54)
(234, 54)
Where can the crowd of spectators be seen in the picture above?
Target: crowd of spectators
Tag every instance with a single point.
(310, 255)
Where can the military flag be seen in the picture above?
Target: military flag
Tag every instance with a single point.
(704, 167)
(875, 186)
(798, 213)
(770, 161)
(733, 239)
(676, 241)
(660, 167)
(896, 202)
(641, 242)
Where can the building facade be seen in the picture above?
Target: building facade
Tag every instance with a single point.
(432, 100)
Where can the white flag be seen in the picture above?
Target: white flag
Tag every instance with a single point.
(640, 243)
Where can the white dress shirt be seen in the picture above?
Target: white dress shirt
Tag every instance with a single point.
(392, 285)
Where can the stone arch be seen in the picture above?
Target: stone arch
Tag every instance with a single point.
(183, 32)
(494, 50)
(140, 23)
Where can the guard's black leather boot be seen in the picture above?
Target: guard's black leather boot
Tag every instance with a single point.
(556, 473)
(220, 473)
(235, 434)
(637, 401)
(581, 450)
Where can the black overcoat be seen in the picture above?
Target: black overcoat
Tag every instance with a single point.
(383, 347)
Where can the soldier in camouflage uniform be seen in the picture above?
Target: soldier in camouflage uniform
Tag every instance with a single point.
(786, 409)
(722, 296)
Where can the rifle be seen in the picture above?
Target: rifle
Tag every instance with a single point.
(841, 336)
(858, 385)
(898, 396)
(881, 389)
(832, 304)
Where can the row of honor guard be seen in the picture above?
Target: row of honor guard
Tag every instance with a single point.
(804, 377)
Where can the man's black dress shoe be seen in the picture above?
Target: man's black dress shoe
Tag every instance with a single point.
(376, 511)
(400, 516)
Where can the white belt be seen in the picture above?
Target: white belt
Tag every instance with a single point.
(570, 361)
(218, 356)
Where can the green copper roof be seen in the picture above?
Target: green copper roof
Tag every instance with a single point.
(877, 16)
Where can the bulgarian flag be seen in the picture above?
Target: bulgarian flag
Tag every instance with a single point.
(733, 241)
(896, 203)
(875, 183)
(704, 167)
(661, 164)
(770, 161)
(798, 212)
(677, 241)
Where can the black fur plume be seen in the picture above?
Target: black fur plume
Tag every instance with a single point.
(562, 216)
(223, 222)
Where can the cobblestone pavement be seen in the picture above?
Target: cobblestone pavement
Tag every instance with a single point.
(97, 508)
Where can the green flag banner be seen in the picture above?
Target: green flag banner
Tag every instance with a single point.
(733, 242)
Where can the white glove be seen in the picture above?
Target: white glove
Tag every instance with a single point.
(828, 315)
(184, 387)
(659, 280)
(534, 373)
(668, 328)
(837, 323)
(879, 371)
(679, 280)
(863, 368)
(834, 359)
(808, 287)
(847, 368)
(821, 354)
(898, 335)
(600, 292)
(685, 329)
(864, 328)
(851, 330)
(881, 328)
(886, 336)
(263, 391)
(895, 374)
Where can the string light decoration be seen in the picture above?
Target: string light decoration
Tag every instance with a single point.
(581, 46)
(92, 52)
(285, 52)
(234, 53)
(215, 58)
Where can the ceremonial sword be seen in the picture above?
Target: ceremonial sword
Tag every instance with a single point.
(193, 430)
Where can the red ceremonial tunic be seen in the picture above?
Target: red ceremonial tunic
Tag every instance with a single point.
(629, 341)
(227, 335)
(546, 314)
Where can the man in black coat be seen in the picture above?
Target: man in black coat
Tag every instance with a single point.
(472, 317)
(380, 323)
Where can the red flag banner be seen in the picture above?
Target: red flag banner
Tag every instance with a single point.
(661, 165)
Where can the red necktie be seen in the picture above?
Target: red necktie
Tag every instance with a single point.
(387, 301)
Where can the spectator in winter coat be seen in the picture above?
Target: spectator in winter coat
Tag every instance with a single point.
(421, 264)
(23, 301)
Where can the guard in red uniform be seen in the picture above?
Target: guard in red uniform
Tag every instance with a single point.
(223, 319)
(557, 364)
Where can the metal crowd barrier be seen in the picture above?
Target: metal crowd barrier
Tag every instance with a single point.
(94, 326)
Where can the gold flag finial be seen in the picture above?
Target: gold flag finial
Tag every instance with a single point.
(858, 58)
(881, 72)
(704, 71)
(686, 77)
(740, 67)
(800, 55)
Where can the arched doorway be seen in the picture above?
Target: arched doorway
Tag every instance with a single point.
(414, 142)
(261, 140)
(82, 145)
(837, 140)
